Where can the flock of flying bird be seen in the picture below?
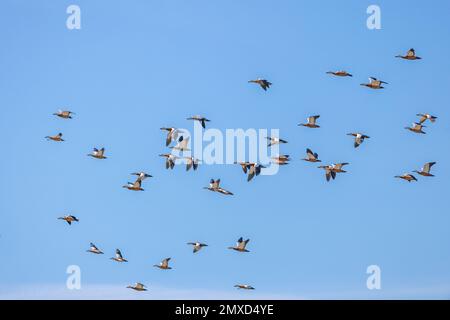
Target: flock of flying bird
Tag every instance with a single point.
(249, 168)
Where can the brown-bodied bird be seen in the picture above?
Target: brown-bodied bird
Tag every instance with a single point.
(244, 165)
(170, 160)
(172, 135)
(134, 186)
(138, 287)
(426, 116)
(425, 171)
(118, 257)
(197, 246)
(57, 137)
(191, 162)
(98, 154)
(329, 173)
(359, 138)
(340, 73)
(416, 128)
(94, 249)
(311, 122)
(254, 169)
(164, 265)
(200, 119)
(410, 55)
(69, 219)
(263, 83)
(240, 245)
(281, 159)
(331, 170)
(338, 167)
(407, 176)
(214, 185)
(374, 83)
(311, 156)
(244, 286)
(65, 114)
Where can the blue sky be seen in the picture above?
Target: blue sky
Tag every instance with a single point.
(137, 66)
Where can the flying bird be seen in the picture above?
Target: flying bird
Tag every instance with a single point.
(197, 246)
(329, 173)
(240, 245)
(244, 165)
(338, 167)
(94, 249)
(244, 286)
(200, 119)
(163, 264)
(136, 186)
(359, 138)
(407, 176)
(138, 287)
(374, 83)
(410, 55)
(69, 219)
(311, 156)
(66, 114)
(425, 171)
(311, 122)
(263, 83)
(214, 185)
(119, 257)
(331, 170)
(172, 134)
(281, 159)
(57, 137)
(191, 162)
(340, 73)
(274, 140)
(426, 116)
(254, 169)
(98, 154)
(170, 160)
(416, 128)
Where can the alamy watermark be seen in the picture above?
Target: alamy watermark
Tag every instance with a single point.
(212, 146)
(373, 22)
(74, 19)
(73, 281)
(374, 279)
